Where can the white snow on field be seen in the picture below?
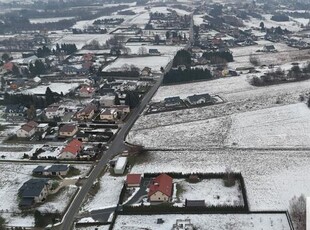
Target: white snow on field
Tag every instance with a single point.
(272, 178)
(59, 203)
(18, 220)
(57, 87)
(82, 39)
(210, 222)
(191, 135)
(140, 20)
(98, 227)
(166, 50)
(198, 19)
(213, 192)
(104, 197)
(46, 20)
(285, 126)
(154, 62)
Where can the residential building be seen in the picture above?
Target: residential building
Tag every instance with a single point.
(86, 91)
(269, 48)
(160, 189)
(33, 191)
(27, 130)
(54, 110)
(108, 114)
(133, 180)
(120, 165)
(183, 225)
(52, 170)
(68, 130)
(172, 101)
(124, 109)
(198, 99)
(86, 113)
(72, 150)
(146, 71)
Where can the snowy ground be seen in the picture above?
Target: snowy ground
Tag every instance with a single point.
(189, 135)
(82, 39)
(166, 50)
(213, 192)
(102, 227)
(47, 20)
(271, 177)
(285, 126)
(210, 222)
(57, 87)
(104, 197)
(154, 62)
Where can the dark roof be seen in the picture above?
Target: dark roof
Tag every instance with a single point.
(195, 98)
(57, 168)
(195, 203)
(39, 169)
(14, 109)
(32, 187)
(67, 128)
(170, 100)
(154, 51)
(26, 202)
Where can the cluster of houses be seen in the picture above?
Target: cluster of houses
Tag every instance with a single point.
(36, 190)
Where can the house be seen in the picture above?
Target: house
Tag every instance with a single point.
(68, 130)
(17, 83)
(54, 110)
(198, 99)
(183, 225)
(86, 91)
(86, 113)
(146, 71)
(42, 127)
(133, 180)
(107, 100)
(27, 130)
(52, 170)
(82, 136)
(15, 112)
(124, 109)
(33, 191)
(160, 189)
(172, 101)
(72, 150)
(269, 48)
(120, 165)
(108, 114)
(35, 81)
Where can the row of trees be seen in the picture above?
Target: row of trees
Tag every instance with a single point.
(218, 57)
(279, 76)
(183, 57)
(187, 75)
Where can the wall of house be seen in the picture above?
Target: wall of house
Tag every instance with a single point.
(69, 134)
(159, 196)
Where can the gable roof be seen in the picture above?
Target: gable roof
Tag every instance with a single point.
(33, 187)
(162, 183)
(67, 128)
(133, 179)
(73, 147)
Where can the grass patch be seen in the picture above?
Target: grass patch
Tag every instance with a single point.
(73, 172)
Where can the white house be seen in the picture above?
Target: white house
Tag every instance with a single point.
(54, 111)
(120, 165)
(27, 130)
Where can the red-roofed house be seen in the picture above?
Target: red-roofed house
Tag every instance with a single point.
(72, 150)
(133, 180)
(86, 91)
(160, 189)
(8, 66)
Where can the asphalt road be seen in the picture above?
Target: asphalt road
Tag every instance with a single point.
(116, 147)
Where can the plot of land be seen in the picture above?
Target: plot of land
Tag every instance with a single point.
(154, 62)
(213, 192)
(272, 178)
(210, 222)
(105, 197)
(191, 135)
(57, 87)
(285, 126)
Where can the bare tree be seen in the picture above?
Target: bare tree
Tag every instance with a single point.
(298, 212)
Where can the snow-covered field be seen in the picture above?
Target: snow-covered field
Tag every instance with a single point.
(99, 227)
(271, 177)
(47, 20)
(210, 222)
(213, 192)
(108, 194)
(154, 62)
(189, 135)
(57, 87)
(198, 19)
(285, 126)
(82, 39)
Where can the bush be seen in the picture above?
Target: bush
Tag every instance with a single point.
(298, 212)
(280, 18)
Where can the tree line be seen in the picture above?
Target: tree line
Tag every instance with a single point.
(218, 57)
(187, 75)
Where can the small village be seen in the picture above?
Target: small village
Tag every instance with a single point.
(154, 115)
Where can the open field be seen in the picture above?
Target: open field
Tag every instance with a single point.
(271, 177)
(210, 222)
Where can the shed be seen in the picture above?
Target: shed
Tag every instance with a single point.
(120, 165)
(133, 180)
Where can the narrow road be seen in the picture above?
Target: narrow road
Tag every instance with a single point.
(116, 147)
